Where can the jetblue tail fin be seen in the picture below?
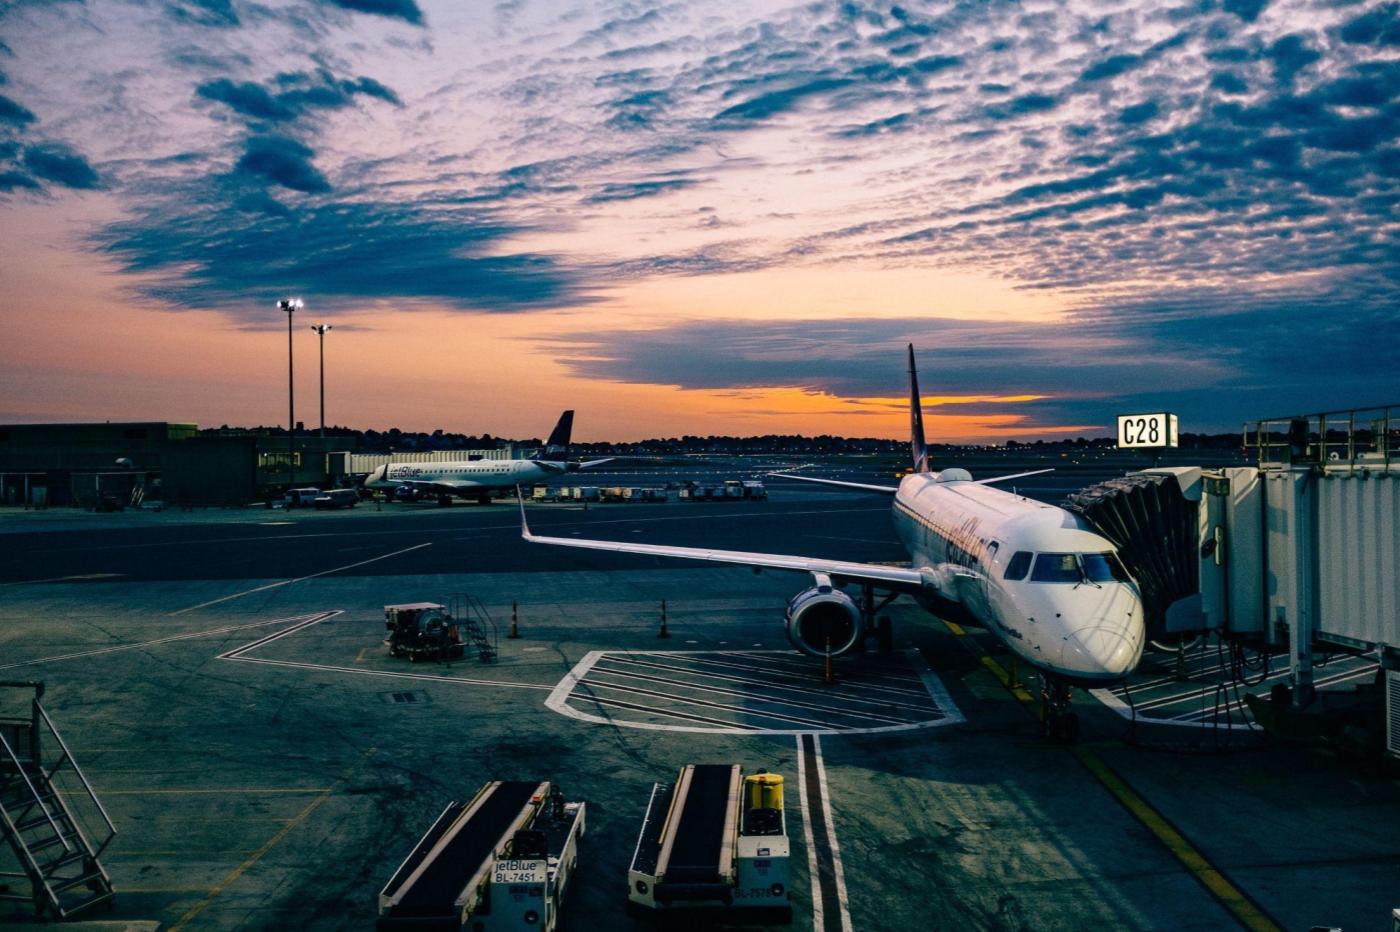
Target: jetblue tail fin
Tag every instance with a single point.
(557, 446)
(916, 419)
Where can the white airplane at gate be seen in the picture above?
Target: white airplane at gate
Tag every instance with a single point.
(1038, 577)
(479, 478)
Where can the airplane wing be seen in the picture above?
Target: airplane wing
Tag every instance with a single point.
(887, 489)
(1014, 475)
(888, 577)
(562, 466)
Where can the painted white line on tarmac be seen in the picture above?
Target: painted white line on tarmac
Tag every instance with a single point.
(823, 859)
(831, 834)
(238, 654)
(818, 912)
(80, 577)
(385, 673)
(1111, 699)
(165, 640)
(287, 582)
(934, 685)
(563, 691)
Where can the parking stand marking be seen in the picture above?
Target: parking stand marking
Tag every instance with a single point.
(709, 692)
(829, 904)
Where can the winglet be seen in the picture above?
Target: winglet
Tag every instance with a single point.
(524, 525)
(918, 447)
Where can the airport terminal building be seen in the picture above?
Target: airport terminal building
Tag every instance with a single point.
(96, 464)
(113, 463)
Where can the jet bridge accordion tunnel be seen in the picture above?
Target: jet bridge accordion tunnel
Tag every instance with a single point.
(1156, 529)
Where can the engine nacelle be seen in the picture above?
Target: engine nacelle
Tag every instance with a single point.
(821, 619)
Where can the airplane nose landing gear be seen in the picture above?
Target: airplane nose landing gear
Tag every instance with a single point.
(1057, 722)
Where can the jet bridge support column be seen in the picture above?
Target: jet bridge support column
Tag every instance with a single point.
(1291, 503)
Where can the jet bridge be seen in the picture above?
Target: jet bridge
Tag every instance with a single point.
(1153, 518)
(1297, 554)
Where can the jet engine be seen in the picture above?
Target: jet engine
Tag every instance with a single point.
(822, 619)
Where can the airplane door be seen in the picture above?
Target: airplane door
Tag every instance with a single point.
(989, 565)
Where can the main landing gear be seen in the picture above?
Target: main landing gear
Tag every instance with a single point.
(880, 627)
(1059, 723)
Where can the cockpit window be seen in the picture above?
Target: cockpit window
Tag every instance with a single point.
(1103, 567)
(1018, 564)
(1056, 568)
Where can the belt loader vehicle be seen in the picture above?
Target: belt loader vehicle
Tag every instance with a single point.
(499, 863)
(713, 841)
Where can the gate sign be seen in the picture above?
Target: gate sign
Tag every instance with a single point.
(1146, 430)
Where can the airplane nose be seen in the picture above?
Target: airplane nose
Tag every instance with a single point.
(1102, 651)
(1109, 645)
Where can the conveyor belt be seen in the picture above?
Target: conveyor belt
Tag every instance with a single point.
(425, 845)
(443, 879)
(699, 835)
(649, 843)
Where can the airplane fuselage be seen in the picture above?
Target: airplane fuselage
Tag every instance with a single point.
(469, 478)
(1077, 615)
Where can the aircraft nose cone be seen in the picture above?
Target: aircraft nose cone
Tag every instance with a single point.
(1102, 651)
(1109, 646)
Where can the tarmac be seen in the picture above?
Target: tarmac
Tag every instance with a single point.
(221, 679)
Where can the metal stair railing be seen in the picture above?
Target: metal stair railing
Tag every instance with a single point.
(481, 630)
(33, 870)
(68, 758)
(27, 785)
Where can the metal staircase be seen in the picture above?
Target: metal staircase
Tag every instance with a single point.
(472, 616)
(41, 820)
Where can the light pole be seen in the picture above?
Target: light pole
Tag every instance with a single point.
(321, 332)
(291, 306)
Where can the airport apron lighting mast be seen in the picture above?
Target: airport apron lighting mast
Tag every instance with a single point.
(321, 332)
(291, 306)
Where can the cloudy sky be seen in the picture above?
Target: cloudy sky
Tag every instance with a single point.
(699, 217)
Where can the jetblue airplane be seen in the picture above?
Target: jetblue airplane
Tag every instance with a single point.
(1038, 577)
(479, 478)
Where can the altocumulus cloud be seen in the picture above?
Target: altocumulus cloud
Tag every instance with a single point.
(293, 95)
(1093, 150)
(405, 10)
(1090, 364)
(282, 161)
(193, 254)
(57, 163)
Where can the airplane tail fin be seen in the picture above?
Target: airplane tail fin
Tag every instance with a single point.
(557, 446)
(919, 448)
